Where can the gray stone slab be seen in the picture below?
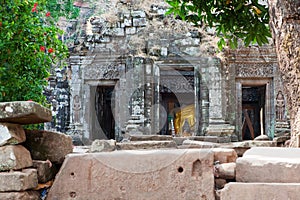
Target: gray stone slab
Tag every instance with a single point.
(25, 195)
(260, 191)
(272, 164)
(14, 157)
(146, 145)
(150, 137)
(24, 112)
(46, 171)
(143, 174)
(18, 180)
(103, 145)
(199, 144)
(47, 145)
(11, 134)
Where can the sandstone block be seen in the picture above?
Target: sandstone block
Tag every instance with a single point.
(45, 170)
(150, 137)
(24, 112)
(224, 155)
(25, 195)
(250, 191)
(18, 180)
(242, 147)
(11, 134)
(146, 145)
(199, 144)
(225, 170)
(272, 164)
(14, 157)
(144, 174)
(220, 183)
(46, 145)
(103, 145)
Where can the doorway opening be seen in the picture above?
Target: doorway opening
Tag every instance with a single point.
(104, 110)
(253, 111)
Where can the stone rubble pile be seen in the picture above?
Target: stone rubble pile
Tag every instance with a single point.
(29, 160)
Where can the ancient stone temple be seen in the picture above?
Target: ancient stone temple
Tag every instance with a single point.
(133, 70)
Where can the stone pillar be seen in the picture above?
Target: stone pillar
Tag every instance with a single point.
(217, 125)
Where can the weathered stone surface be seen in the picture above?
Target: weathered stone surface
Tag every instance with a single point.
(103, 145)
(24, 112)
(147, 174)
(149, 137)
(220, 183)
(45, 170)
(11, 134)
(224, 155)
(18, 180)
(46, 145)
(250, 191)
(198, 144)
(262, 138)
(225, 170)
(146, 145)
(25, 195)
(14, 157)
(272, 164)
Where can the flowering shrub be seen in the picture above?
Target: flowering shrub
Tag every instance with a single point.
(29, 46)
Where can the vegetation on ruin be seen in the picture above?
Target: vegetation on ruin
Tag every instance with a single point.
(233, 20)
(30, 43)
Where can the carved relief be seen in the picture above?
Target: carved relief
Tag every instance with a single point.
(76, 109)
(280, 107)
(254, 70)
(108, 72)
(177, 84)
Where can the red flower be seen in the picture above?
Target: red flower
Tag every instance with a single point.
(48, 14)
(50, 50)
(42, 48)
(34, 7)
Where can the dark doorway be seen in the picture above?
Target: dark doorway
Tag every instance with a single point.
(104, 110)
(253, 111)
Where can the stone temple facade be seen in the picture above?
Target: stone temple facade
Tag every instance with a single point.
(132, 70)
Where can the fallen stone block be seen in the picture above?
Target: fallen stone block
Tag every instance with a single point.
(103, 145)
(224, 155)
(46, 171)
(225, 171)
(272, 164)
(11, 134)
(18, 180)
(25, 195)
(24, 112)
(135, 175)
(250, 191)
(14, 157)
(220, 183)
(198, 144)
(242, 147)
(46, 145)
(150, 137)
(146, 145)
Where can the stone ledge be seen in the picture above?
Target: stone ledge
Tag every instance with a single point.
(25, 195)
(24, 112)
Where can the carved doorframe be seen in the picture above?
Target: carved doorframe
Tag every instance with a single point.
(268, 83)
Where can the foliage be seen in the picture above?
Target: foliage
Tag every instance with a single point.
(30, 44)
(233, 19)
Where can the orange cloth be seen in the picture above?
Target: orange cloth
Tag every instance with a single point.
(186, 113)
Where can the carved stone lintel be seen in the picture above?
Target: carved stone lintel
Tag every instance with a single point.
(107, 72)
(254, 70)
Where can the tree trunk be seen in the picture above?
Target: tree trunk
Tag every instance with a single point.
(285, 27)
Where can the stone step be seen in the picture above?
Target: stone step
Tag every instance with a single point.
(11, 134)
(251, 191)
(14, 157)
(25, 195)
(146, 145)
(47, 145)
(136, 174)
(272, 164)
(18, 180)
(24, 112)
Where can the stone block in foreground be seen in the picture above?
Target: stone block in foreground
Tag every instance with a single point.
(14, 157)
(25, 195)
(11, 134)
(45, 170)
(46, 145)
(251, 191)
(24, 112)
(134, 145)
(135, 175)
(272, 164)
(18, 180)
(225, 155)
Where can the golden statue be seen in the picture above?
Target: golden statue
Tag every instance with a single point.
(184, 121)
